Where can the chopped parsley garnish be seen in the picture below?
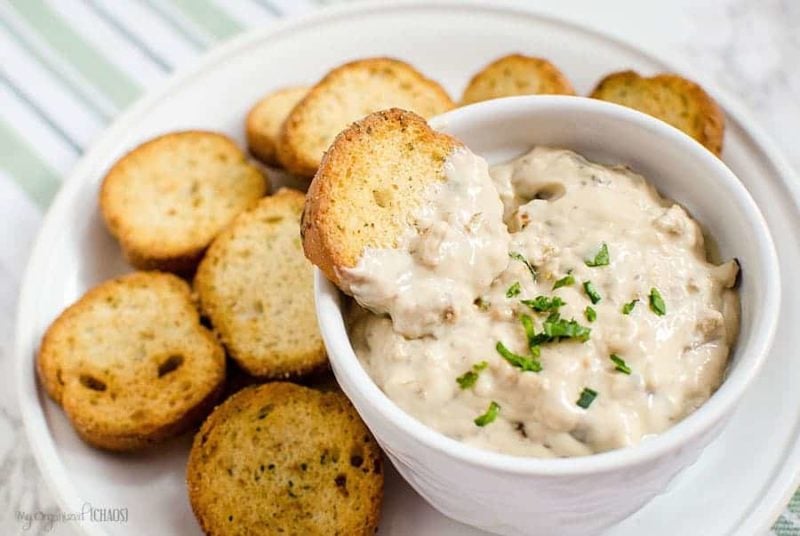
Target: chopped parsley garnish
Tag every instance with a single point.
(530, 333)
(628, 307)
(590, 313)
(565, 281)
(586, 398)
(543, 304)
(527, 323)
(556, 328)
(519, 257)
(588, 287)
(657, 304)
(468, 379)
(620, 364)
(513, 290)
(489, 416)
(601, 259)
(526, 363)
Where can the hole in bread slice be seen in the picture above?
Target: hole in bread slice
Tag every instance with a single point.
(93, 383)
(170, 364)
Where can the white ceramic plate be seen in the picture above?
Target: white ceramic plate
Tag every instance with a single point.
(739, 485)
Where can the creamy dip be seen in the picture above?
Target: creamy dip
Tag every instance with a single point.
(548, 307)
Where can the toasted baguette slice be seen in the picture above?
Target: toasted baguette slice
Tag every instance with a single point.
(671, 98)
(516, 75)
(349, 93)
(169, 197)
(369, 186)
(257, 289)
(284, 459)
(265, 119)
(130, 363)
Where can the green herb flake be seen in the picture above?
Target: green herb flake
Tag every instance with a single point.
(526, 363)
(489, 416)
(543, 304)
(657, 304)
(628, 307)
(530, 333)
(519, 257)
(527, 323)
(591, 291)
(601, 259)
(620, 364)
(514, 290)
(469, 378)
(565, 281)
(555, 329)
(586, 398)
(590, 313)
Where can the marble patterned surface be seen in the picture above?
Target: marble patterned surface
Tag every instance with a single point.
(749, 47)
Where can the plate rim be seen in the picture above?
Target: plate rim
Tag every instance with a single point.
(780, 488)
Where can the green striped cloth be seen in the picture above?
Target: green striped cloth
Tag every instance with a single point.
(68, 67)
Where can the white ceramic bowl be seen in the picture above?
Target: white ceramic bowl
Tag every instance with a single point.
(513, 495)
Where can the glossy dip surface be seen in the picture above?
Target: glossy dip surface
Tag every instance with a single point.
(548, 307)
